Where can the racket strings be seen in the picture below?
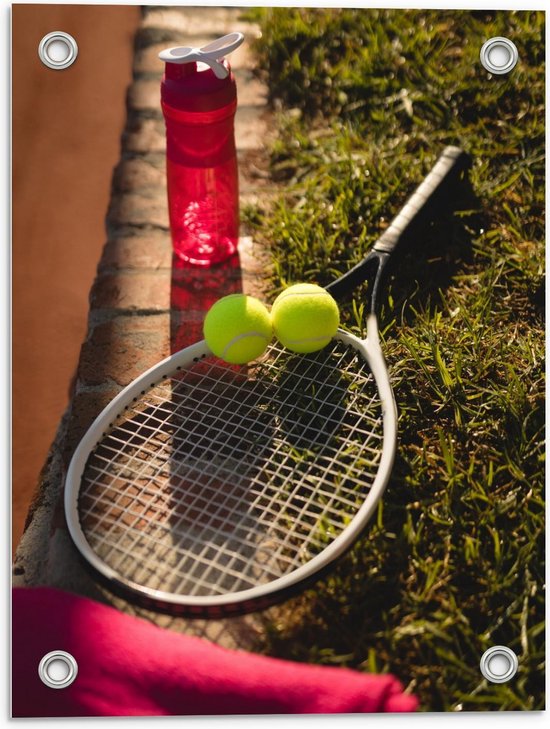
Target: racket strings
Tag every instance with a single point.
(222, 478)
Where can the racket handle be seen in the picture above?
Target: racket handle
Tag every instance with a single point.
(427, 195)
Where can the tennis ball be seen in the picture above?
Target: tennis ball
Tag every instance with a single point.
(238, 328)
(305, 318)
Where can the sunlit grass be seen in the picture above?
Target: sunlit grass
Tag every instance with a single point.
(454, 562)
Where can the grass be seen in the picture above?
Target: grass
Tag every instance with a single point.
(454, 562)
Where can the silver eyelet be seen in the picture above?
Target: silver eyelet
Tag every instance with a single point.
(58, 669)
(498, 664)
(498, 55)
(58, 50)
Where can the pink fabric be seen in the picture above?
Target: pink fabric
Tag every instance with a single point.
(129, 667)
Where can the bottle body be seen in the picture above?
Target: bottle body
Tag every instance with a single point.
(201, 166)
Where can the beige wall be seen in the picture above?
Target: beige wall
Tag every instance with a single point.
(66, 128)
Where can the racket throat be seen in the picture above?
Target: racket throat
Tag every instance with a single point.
(377, 285)
(373, 337)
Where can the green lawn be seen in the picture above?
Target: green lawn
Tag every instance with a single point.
(453, 564)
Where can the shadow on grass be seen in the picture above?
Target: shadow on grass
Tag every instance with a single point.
(427, 262)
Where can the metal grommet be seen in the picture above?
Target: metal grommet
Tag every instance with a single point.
(58, 669)
(58, 50)
(498, 55)
(498, 664)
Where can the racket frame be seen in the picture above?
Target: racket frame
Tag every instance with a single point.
(264, 594)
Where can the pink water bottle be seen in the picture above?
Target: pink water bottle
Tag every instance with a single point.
(199, 100)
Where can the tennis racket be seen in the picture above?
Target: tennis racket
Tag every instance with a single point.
(208, 489)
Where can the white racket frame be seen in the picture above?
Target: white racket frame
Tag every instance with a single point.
(369, 348)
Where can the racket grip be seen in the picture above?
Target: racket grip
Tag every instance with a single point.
(427, 195)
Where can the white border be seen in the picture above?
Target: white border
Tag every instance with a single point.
(492, 719)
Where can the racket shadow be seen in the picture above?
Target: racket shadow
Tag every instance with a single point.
(431, 266)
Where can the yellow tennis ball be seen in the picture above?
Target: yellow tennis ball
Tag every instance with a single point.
(238, 328)
(305, 318)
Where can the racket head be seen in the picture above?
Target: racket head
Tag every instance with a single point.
(262, 512)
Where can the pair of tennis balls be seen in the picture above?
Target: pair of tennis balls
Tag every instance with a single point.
(238, 328)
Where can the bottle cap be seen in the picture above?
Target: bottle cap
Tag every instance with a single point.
(212, 54)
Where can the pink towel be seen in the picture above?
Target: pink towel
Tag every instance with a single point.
(129, 667)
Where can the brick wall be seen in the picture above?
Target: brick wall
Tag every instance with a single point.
(144, 303)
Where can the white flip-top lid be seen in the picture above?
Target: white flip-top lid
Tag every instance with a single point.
(212, 54)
